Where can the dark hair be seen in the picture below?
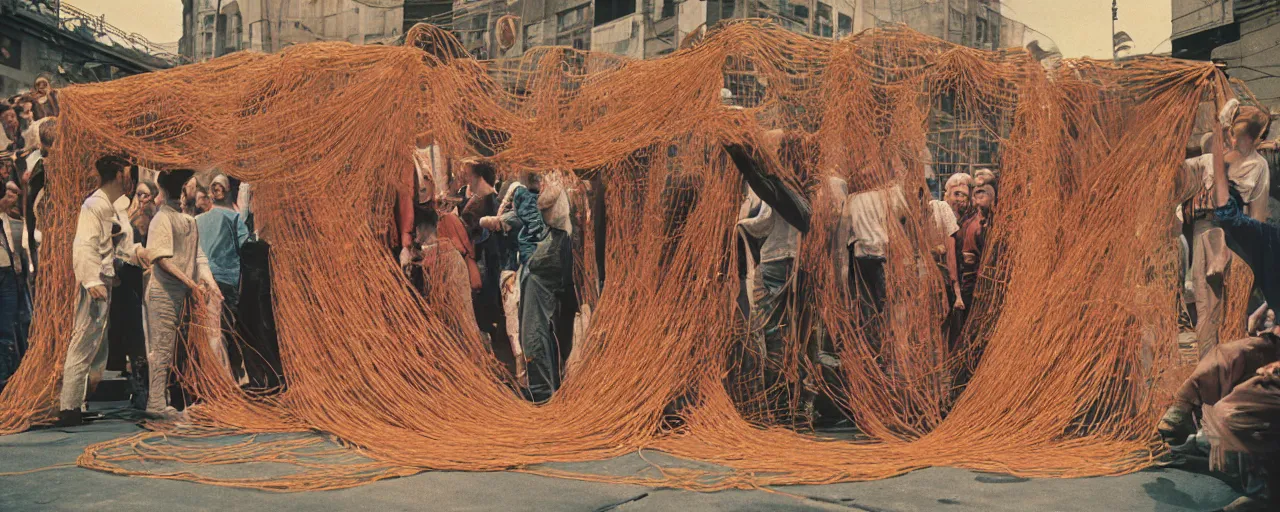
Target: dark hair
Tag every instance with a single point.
(485, 171)
(172, 182)
(1252, 128)
(151, 187)
(796, 152)
(109, 167)
(424, 215)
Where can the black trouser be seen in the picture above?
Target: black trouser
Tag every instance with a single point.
(866, 283)
(15, 321)
(125, 336)
(261, 353)
(231, 338)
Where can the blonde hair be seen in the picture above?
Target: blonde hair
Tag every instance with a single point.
(958, 179)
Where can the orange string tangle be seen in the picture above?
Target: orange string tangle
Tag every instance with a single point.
(1075, 308)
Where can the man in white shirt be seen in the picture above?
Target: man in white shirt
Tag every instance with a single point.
(102, 236)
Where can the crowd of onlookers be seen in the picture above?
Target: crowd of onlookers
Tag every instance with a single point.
(499, 255)
(28, 122)
(144, 243)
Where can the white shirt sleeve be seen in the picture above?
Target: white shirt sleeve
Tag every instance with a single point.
(1252, 182)
(85, 258)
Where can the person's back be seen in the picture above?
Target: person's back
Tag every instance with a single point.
(222, 233)
(868, 215)
(175, 235)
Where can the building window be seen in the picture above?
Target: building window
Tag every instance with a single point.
(532, 36)
(980, 33)
(576, 39)
(235, 33)
(800, 12)
(476, 30)
(956, 30)
(822, 21)
(793, 16)
(571, 18)
(845, 26)
(668, 8)
(609, 10)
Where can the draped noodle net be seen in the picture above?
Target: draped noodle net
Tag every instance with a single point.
(1074, 314)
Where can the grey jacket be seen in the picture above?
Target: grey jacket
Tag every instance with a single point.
(781, 240)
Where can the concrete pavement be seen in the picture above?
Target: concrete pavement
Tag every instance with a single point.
(944, 489)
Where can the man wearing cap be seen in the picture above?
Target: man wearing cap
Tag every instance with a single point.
(101, 237)
(222, 233)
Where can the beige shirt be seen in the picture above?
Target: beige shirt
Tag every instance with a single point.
(174, 235)
(869, 214)
(944, 222)
(1249, 176)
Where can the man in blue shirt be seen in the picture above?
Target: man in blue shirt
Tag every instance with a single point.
(222, 233)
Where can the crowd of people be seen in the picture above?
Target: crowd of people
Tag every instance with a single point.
(148, 251)
(27, 124)
(149, 243)
(145, 243)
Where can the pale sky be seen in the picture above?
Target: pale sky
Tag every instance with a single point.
(157, 20)
(1080, 27)
(1083, 27)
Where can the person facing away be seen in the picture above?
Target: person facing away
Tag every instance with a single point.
(222, 233)
(101, 239)
(547, 273)
(173, 244)
(517, 210)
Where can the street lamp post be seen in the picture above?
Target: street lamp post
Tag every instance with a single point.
(1115, 15)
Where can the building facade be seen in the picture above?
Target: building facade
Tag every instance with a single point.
(1242, 34)
(652, 28)
(213, 28)
(55, 39)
